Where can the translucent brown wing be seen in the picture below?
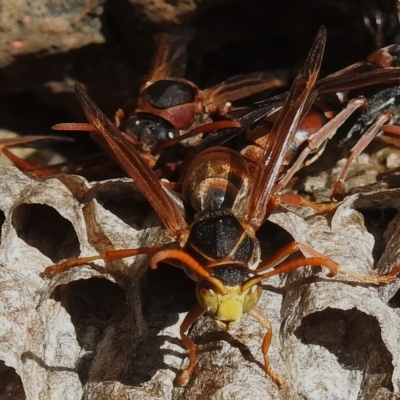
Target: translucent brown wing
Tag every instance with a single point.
(241, 86)
(353, 77)
(124, 154)
(170, 57)
(346, 82)
(299, 99)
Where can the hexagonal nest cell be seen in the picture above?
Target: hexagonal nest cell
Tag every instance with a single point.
(90, 337)
(41, 226)
(111, 329)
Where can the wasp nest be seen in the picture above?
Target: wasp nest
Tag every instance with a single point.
(112, 331)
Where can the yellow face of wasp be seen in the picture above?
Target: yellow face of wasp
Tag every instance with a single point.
(226, 309)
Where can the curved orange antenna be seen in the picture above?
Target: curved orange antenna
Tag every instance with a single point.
(190, 262)
(211, 127)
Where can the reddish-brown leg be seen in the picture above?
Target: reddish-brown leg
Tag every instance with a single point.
(295, 200)
(106, 256)
(282, 254)
(393, 129)
(264, 321)
(358, 148)
(118, 117)
(23, 165)
(316, 259)
(73, 126)
(193, 315)
(19, 162)
(317, 139)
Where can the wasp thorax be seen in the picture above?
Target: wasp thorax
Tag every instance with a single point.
(228, 307)
(169, 93)
(149, 130)
(214, 179)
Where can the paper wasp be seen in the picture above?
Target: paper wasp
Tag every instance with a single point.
(168, 105)
(219, 250)
(323, 120)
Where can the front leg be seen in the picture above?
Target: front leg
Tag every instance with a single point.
(264, 321)
(192, 316)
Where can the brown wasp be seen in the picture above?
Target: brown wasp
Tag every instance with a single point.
(169, 106)
(219, 250)
(324, 119)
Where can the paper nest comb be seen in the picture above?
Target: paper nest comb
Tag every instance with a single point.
(83, 334)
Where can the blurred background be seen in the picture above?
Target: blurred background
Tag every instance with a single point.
(47, 46)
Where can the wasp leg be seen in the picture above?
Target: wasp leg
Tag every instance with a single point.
(73, 126)
(264, 321)
(316, 141)
(296, 200)
(18, 162)
(316, 259)
(282, 254)
(21, 164)
(393, 129)
(358, 148)
(193, 315)
(107, 256)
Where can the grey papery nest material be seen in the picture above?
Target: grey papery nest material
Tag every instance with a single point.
(83, 334)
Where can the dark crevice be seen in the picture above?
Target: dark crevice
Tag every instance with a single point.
(273, 238)
(11, 387)
(93, 305)
(2, 220)
(355, 339)
(42, 227)
(394, 301)
(376, 221)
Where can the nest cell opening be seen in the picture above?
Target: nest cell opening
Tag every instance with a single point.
(2, 220)
(42, 227)
(376, 221)
(10, 383)
(93, 304)
(394, 301)
(128, 204)
(272, 238)
(355, 339)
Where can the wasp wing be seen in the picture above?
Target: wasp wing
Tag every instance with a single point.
(299, 100)
(124, 154)
(353, 77)
(170, 58)
(339, 83)
(241, 86)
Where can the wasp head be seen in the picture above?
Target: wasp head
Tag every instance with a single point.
(226, 303)
(149, 130)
